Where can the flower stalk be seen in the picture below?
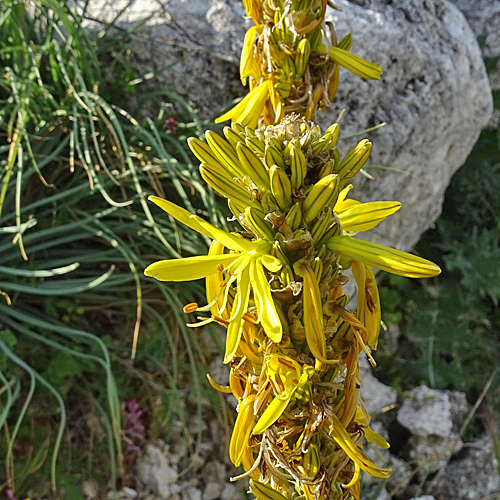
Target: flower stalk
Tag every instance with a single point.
(276, 282)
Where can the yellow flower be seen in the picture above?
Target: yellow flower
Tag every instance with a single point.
(248, 110)
(247, 263)
(285, 376)
(382, 257)
(368, 306)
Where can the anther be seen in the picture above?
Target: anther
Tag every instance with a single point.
(220, 267)
(190, 308)
(223, 283)
(220, 320)
(248, 318)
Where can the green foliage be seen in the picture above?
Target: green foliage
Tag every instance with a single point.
(451, 325)
(76, 232)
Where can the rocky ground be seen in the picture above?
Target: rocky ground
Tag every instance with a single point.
(428, 455)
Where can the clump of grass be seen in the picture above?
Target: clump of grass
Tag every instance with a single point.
(76, 231)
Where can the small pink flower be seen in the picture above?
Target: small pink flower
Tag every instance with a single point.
(172, 126)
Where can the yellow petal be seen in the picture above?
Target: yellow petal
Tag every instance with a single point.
(242, 429)
(191, 268)
(355, 64)
(249, 109)
(247, 461)
(268, 315)
(355, 477)
(353, 452)
(376, 438)
(372, 315)
(221, 388)
(343, 193)
(345, 205)
(271, 414)
(382, 257)
(239, 307)
(271, 263)
(212, 283)
(229, 240)
(313, 311)
(368, 307)
(187, 218)
(365, 216)
(248, 65)
(263, 491)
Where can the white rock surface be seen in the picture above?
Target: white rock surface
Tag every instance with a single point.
(156, 472)
(426, 412)
(433, 418)
(472, 475)
(374, 394)
(434, 94)
(484, 19)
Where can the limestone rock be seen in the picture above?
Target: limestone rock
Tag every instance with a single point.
(155, 471)
(484, 19)
(433, 89)
(374, 394)
(229, 492)
(471, 475)
(433, 419)
(426, 412)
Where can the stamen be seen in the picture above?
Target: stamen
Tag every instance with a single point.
(203, 322)
(254, 466)
(226, 295)
(220, 320)
(223, 283)
(208, 306)
(280, 382)
(190, 308)
(249, 318)
(220, 268)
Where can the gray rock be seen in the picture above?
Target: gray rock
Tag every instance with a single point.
(433, 87)
(192, 494)
(471, 475)
(432, 453)
(400, 475)
(90, 489)
(212, 491)
(229, 492)
(433, 419)
(215, 475)
(425, 497)
(373, 493)
(129, 493)
(155, 471)
(374, 394)
(428, 412)
(484, 19)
